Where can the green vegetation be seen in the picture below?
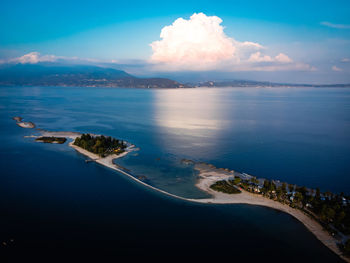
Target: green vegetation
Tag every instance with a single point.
(225, 187)
(253, 180)
(332, 211)
(269, 186)
(237, 180)
(59, 140)
(100, 145)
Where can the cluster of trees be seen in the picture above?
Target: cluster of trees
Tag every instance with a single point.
(280, 193)
(247, 185)
(268, 186)
(331, 209)
(101, 145)
(225, 187)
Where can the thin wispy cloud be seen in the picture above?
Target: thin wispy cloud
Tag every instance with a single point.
(337, 26)
(36, 57)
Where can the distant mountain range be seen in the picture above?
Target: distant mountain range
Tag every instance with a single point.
(47, 74)
(53, 74)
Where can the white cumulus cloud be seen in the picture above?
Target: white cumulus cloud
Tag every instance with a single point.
(33, 58)
(283, 58)
(258, 57)
(200, 43)
(185, 42)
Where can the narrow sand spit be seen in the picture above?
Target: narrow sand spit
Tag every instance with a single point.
(108, 162)
(208, 175)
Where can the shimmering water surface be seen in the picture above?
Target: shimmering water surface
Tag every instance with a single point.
(50, 198)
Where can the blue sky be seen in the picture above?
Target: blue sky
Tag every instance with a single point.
(313, 33)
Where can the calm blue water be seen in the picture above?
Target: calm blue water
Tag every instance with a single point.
(51, 200)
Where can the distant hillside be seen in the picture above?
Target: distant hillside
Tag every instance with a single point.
(46, 74)
(54, 74)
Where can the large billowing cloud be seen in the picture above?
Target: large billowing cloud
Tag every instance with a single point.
(200, 39)
(200, 43)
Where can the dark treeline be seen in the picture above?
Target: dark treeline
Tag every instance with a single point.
(59, 140)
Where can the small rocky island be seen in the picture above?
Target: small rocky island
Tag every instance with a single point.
(17, 118)
(45, 139)
(23, 124)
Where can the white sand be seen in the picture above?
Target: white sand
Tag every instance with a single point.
(108, 162)
(28, 125)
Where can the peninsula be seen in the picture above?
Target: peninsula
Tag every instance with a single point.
(323, 214)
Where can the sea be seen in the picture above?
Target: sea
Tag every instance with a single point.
(56, 207)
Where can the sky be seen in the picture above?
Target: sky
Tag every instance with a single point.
(280, 41)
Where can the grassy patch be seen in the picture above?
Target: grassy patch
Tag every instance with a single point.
(224, 187)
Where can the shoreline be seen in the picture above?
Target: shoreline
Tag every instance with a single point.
(108, 162)
(207, 177)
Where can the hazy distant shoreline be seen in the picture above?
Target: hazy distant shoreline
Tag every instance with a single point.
(63, 75)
